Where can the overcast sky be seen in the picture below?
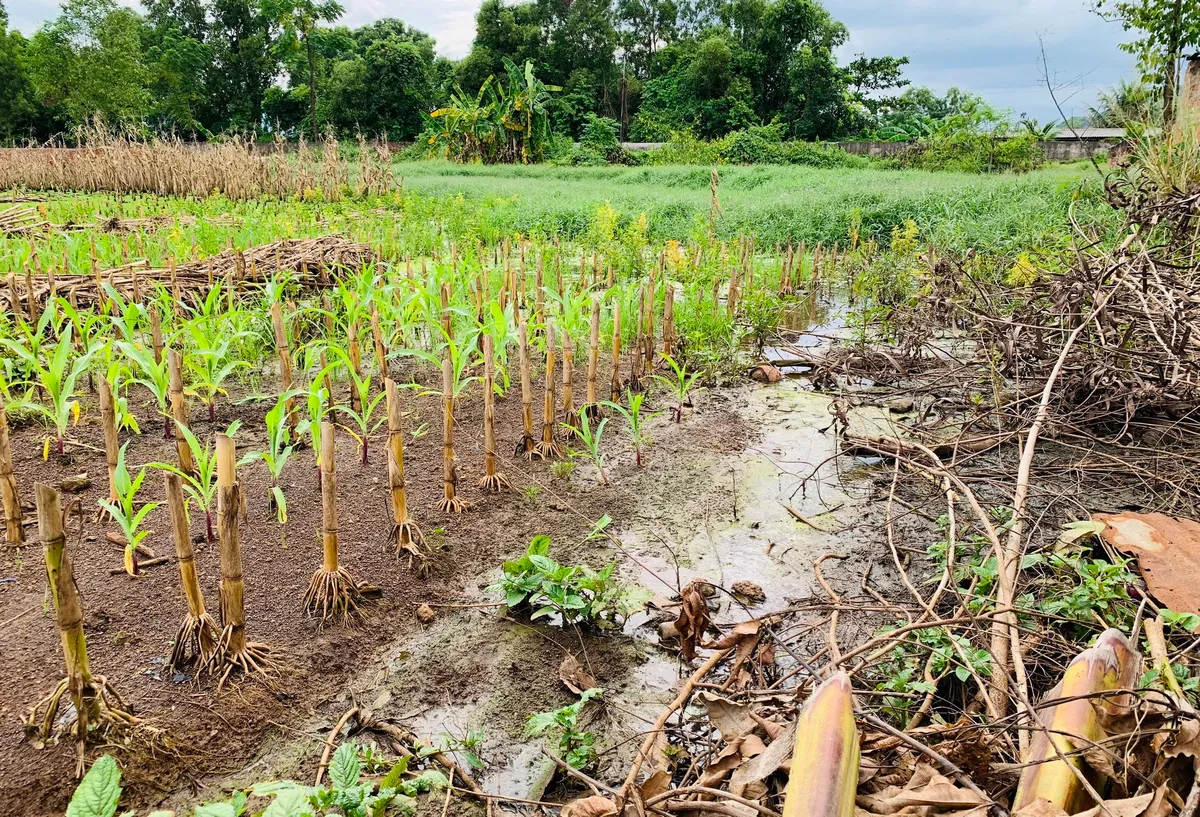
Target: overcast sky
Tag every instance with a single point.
(990, 48)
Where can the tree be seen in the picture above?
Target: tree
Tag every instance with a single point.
(88, 62)
(1167, 29)
(645, 26)
(16, 103)
(242, 66)
(298, 19)
(1125, 105)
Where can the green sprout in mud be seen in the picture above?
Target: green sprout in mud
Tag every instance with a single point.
(915, 666)
(99, 793)
(635, 422)
(577, 747)
(366, 421)
(578, 594)
(680, 384)
(154, 375)
(125, 512)
(590, 441)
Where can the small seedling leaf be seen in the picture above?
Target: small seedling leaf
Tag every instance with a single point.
(345, 768)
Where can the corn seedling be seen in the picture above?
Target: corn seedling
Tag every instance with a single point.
(98, 709)
(591, 444)
(212, 363)
(124, 511)
(635, 422)
(155, 377)
(280, 448)
(56, 380)
(680, 384)
(362, 411)
(333, 592)
(201, 483)
(196, 638)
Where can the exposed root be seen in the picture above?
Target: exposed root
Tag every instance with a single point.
(409, 539)
(527, 448)
(451, 504)
(196, 643)
(333, 594)
(494, 483)
(551, 450)
(105, 715)
(253, 659)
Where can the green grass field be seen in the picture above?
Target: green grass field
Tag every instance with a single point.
(1000, 213)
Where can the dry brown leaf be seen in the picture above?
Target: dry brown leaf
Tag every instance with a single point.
(771, 760)
(771, 729)
(594, 806)
(731, 719)
(693, 620)
(1160, 806)
(766, 373)
(656, 784)
(747, 629)
(727, 760)
(927, 788)
(574, 676)
(1129, 807)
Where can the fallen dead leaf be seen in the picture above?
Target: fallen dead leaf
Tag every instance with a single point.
(574, 676)
(926, 788)
(656, 784)
(747, 629)
(594, 806)
(1167, 551)
(693, 620)
(425, 614)
(731, 719)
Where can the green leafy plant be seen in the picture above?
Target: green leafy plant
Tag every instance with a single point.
(577, 747)
(56, 379)
(635, 422)
(591, 444)
(124, 512)
(680, 385)
(201, 484)
(155, 376)
(211, 364)
(365, 421)
(99, 792)
(279, 450)
(578, 595)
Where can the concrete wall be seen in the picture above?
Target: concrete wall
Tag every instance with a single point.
(1057, 150)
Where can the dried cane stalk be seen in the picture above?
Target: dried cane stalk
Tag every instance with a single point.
(450, 503)
(285, 364)
(528, 446)
(197, 637)
(14, 526)
(179, 410)
(492, 482)
(405, 533)
(593, 407)
(333, 592)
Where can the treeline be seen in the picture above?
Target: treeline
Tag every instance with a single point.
(202, 68)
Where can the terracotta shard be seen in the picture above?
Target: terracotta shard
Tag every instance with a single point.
(1167, 552)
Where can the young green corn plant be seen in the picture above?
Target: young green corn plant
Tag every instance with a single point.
(155, 376)
(212, 363)
(365, 419)
(635, 422)
(29, 346)
(591, 444)
(280, 448)
(127, 516)
(89, 332)
(201, 486)
(316, 402)
(680, 385)
(56, 379)
(127, 317)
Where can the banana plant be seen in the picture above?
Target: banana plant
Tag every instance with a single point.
(155, 377)
(280, 448)
(125, 513)
(56, 379)
(635, 422)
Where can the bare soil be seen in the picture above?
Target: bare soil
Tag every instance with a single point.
(249, 728)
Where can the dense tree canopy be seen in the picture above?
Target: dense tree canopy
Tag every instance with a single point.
(203, 68)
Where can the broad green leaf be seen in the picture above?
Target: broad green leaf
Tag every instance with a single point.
(98, 792)
(344, 769)
(290, 803)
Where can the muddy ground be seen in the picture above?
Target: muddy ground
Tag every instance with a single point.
(708, 503)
